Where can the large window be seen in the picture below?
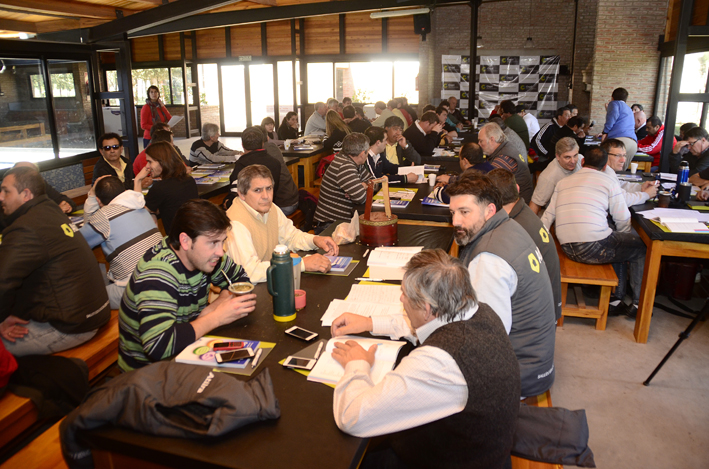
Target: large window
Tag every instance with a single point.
(25, 124)
(262, 100)
(694, 80)
(364, 82)
(234, 86)
(63, 85)
(168, 81)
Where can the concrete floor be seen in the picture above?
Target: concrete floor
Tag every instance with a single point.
(664, 425)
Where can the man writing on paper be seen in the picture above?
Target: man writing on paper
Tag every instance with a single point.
(258, 225)
(453, 401)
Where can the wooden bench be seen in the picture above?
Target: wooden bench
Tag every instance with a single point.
(88, 165)
(44, 452)
(18, 414)
(577, 274)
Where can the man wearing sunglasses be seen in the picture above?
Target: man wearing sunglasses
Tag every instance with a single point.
(112, 162)
(696, 140)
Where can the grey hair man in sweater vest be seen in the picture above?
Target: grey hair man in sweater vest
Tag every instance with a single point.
(508, 273)
(453, 401)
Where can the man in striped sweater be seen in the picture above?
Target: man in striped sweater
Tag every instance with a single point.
(164, 308)
(117, 220)
(580, 205)
(345, 182)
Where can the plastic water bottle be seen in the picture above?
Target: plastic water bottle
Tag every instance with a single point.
(279, 278)
(683, 173)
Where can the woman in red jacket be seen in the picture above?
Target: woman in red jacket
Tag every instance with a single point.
(153, 111)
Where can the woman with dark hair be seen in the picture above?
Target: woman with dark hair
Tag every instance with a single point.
(152, 112)
(336, 131)
(268, 124)
(175, 186)
(288, 130)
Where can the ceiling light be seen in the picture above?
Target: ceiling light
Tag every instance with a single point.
(391, 13)
(529, 44)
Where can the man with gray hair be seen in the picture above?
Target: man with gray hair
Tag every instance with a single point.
(454, 398)
(258, 225)
(209, 149)
(344, 184)
(65, 203)
(316, 122)
(501, 154)
(566, 163)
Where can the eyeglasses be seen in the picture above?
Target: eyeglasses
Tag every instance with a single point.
(108, 147)
(691, 144)
(617, 155)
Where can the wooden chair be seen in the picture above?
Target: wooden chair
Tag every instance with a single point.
(577, 274)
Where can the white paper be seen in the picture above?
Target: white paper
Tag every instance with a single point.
(174, 120)
(390, 294)
(340, 307)
(328, 370)
(668, 176)
(417, 170)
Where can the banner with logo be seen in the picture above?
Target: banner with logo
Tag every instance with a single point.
(531, 80)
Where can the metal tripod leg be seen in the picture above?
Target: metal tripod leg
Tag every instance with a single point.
(682, 335)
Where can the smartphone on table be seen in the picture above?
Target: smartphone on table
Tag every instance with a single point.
(301, 333)
(227, 346)
(235, 355)
(300, 363)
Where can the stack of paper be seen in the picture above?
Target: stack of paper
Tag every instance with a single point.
(417, 170)
(329, 371)
(366, 300)
(388, 262)
(679, 220)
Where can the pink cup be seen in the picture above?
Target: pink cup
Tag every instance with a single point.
(299, 299)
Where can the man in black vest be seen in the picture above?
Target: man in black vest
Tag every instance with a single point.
(508, 273)
(518, 211)
(453, 401)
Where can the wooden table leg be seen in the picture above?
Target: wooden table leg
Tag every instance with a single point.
(647, 292)
(603, 303)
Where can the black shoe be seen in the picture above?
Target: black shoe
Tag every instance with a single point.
(632, 311)
(617, 310)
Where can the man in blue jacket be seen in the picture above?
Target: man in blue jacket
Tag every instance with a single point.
(620, 124)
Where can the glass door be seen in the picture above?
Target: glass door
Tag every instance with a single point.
(261, 92)
(234, 93)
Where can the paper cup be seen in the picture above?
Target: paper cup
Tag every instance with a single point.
(286, 144)
(633, 168)
(241, 288)
(431, 179)
(299, 299)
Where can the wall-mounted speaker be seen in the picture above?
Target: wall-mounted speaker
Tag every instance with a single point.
(422, 25)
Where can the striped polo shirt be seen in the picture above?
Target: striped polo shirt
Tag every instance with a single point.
(341, 189)
(581, 204)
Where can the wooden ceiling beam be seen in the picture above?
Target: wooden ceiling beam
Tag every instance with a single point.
(19, 26)
(265, 2)
(71, 8)
(67, 24)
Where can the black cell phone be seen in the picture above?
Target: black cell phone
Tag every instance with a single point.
(226, 357)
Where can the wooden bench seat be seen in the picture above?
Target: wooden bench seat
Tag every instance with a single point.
(18, 414)
(44, 452)
(577, 274)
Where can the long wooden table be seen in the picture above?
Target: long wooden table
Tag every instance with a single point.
(660, 243)
(307, 159)
(305, 436)
(415, 210)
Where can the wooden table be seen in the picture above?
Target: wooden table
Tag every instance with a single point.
(305, 436)
(215, 191)
(660, 243)
(415, 211)
(292, 164)
(307, 159)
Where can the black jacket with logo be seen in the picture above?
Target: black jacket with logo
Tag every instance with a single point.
(47, 271)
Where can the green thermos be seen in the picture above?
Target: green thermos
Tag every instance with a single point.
(280, 284)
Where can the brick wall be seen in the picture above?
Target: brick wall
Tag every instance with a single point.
(616, 44)
(626, 52)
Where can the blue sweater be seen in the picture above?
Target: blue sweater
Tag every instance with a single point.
(620, 121)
